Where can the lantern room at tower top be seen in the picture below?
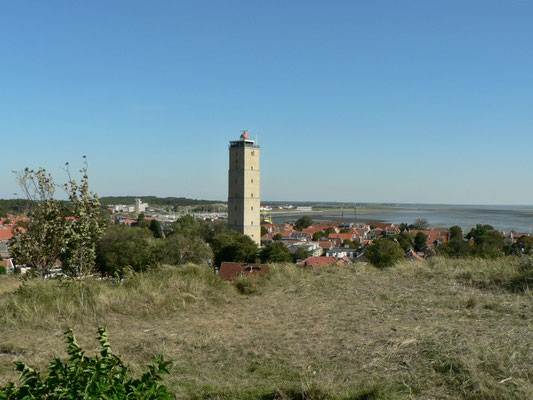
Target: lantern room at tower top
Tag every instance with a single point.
(245, 141)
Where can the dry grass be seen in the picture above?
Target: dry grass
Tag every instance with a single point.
(428, 330)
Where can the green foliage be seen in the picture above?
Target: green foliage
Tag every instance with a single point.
(14, 206)
(403, 227)
(233, 247)
(142, 222)
(352, 244)
(524, 245)
(420, 241)
(88, 227)
(275, 252)
(277, 237)
(329, 230)
(404, 239)
(456, 233)
(303, 222)
(2, 270)
(48, 236)
(186, 225)
(123, 247)
(300, 254)
(45, 236)
(479, 232)
(155, 227)
(178, 249)
(84, 377)
(488, 243)
(318, 235)
(455, 248)
(384, 253)
(264, 230)
(209, 229)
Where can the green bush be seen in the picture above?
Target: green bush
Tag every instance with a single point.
(83, 377)
(2, 270)
(384, 253)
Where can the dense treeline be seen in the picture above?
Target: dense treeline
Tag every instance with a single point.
(13, 206)
(154, 200)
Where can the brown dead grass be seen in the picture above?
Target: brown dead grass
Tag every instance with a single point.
(415, 331)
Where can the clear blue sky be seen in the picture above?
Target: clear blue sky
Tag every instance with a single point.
(368, 101)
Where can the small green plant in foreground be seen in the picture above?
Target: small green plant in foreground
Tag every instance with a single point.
(82, 377)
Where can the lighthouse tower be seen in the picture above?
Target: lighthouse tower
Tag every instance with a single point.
(244, 196)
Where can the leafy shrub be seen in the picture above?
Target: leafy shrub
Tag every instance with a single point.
(384, 253)
(2, 270)
(82, 377)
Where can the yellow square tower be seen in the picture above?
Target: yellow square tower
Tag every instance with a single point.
(244, 195)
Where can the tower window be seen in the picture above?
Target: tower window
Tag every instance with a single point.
(251, 222)
(252, 181)
(252, 195)
(253, 153)
(252, 208)
(252, 168)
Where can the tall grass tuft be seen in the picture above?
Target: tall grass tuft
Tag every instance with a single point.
(47, 303)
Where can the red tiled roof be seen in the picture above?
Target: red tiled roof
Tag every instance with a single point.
(433, 235)
(343, 236)
(230, 271)
(318, 262)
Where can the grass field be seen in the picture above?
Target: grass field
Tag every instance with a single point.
(436, 330)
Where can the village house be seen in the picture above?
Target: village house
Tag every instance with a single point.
(230, 271)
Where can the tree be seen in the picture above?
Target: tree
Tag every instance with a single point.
(275, 252)
(264, 231)
(491, 245)
(277, 237)
(86, 229)
(233, 247)
(455, 248)
(329, 230)
(526, 244)
(344, 230)
(420, 241)
(352, 244)
(488, 243)
(179, 249)
(155, 227)
(456, 233)
(209, 229)
(420, 223)
(3, 211)
(142, 222)
(318, 235)
(404, 240)
(303, 222)
(300, 254)
(123, 247)
(186, 225)
(384, 253)
(403, 227)
(479, 233)
(40, 241)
